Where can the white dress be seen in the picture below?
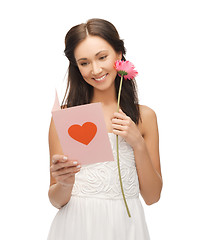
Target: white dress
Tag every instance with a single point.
(96, 210)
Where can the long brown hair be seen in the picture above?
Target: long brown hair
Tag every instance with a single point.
(79, 91)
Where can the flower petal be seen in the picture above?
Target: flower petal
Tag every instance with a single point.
(126, 69)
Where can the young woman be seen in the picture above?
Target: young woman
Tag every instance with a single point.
(89, 197)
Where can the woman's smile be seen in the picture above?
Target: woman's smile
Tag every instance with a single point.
(101, 79)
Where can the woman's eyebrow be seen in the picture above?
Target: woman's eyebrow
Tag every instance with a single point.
(95, 55)
(100, 52)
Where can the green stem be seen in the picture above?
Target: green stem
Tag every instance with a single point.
(118, 160)
(119, 93)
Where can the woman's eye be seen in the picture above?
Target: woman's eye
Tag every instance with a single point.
(84, 64)
(103, 57)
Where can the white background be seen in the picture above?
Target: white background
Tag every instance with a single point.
(161, 40)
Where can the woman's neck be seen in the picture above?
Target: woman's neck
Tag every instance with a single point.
(107, 97)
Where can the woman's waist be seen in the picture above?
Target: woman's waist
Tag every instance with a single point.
(105, 196)
(105, 191)
(104, 183)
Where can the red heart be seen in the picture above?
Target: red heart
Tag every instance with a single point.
(83, 134)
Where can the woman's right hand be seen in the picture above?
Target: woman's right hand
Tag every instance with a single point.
(64, 170)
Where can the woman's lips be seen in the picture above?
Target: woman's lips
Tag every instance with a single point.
(100, 78)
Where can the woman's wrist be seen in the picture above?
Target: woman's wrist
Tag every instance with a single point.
(59, 194)
(139, 145)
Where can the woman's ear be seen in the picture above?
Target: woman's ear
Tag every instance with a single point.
(119, 56)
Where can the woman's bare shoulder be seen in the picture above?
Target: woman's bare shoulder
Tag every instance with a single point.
(148, 117)
(146, 111)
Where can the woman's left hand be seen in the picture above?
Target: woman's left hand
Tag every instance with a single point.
(126, 128)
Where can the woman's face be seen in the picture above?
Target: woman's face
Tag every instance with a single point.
(95, 58)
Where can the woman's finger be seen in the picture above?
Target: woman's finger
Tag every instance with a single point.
(59, 158)
(120, 110)
(119, 115)
(118, 127)
(67, 164)
(118, 121)
(65, 171)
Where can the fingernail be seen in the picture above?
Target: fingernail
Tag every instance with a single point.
(65, 158)
(78, 166)
(75, 163)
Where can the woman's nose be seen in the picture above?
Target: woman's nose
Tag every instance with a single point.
(96, 69)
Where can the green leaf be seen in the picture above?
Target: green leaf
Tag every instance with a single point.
(122, 72)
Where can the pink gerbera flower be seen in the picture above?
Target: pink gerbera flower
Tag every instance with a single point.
(126, 69)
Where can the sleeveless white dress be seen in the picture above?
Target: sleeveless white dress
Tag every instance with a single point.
(96, 210)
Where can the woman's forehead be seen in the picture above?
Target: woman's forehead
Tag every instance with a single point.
(92, 45)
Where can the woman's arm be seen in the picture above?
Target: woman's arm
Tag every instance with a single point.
(62, 171)
(147, 158)
(146, 150)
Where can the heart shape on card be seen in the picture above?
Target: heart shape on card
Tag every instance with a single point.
(83, 134)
